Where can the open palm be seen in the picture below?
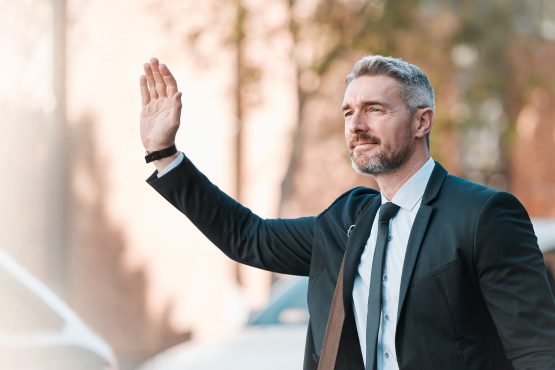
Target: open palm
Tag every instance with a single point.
(161, 107)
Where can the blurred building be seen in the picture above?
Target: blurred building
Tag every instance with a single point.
(532, 172)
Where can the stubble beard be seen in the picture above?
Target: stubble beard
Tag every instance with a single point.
(387, 160)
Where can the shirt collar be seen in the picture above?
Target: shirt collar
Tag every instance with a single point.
(412, 191)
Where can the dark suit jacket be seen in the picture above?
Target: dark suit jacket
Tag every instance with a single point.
(474, 291)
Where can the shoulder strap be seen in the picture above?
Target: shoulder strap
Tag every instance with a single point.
(360, 215)
(337, 314)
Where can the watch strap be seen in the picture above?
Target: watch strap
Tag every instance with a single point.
(154, 156)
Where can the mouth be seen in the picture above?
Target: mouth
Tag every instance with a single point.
(363, 145)
(364, 142)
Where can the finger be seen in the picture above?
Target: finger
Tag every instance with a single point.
(151, 82)
(145, 94)
(160, 84)
(171, 84)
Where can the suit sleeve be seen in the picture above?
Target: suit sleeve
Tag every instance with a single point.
(280, 245)
(514, 284)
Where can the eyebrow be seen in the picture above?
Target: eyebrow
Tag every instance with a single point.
(365, 104)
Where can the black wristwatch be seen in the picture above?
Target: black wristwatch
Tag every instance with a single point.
(154, 156)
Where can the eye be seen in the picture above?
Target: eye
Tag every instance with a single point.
(375, 110)
(348, 114)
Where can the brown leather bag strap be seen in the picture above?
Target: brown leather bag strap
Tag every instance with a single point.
(337, 314)
(334, 328)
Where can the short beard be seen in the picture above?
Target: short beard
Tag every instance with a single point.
(386, 161)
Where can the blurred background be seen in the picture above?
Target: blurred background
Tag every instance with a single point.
(262, 84)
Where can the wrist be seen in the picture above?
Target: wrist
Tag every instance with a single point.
(162, 163)
(157, 155)
(158, 147)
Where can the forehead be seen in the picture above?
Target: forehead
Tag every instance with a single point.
(372, 88)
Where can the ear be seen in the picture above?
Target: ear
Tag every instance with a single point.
(423, 121)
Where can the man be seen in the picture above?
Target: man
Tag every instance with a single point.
(434, 272)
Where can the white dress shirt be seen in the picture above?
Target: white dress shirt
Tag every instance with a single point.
(408, 198)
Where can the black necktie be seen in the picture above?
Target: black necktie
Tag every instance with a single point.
(387, 212)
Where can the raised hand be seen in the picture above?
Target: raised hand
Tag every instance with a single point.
(161, 107)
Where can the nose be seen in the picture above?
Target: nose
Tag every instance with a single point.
(357, 124)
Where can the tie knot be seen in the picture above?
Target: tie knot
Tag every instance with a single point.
(388, 211)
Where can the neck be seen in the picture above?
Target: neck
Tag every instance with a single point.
(390, 183)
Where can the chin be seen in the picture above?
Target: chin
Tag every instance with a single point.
(362, 159)
(362, 164)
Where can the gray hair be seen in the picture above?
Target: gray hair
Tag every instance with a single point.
(415, 88)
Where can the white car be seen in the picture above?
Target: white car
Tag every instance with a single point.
(275, 337)
(38, 331)
(545, 231)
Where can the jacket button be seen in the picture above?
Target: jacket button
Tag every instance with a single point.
(315, 358)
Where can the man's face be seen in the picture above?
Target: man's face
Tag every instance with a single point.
(378, 128)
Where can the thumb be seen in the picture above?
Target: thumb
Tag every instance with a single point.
(177, 105)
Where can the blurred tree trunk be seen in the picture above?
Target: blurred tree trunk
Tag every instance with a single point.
(238, 37)
(58, 157)
(286, 185)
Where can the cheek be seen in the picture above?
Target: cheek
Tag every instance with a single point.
(400, 134)
(383, 127)
(348, 135)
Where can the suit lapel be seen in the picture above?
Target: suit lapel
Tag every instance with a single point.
(418, 230)
(355, 247)
(413, 247)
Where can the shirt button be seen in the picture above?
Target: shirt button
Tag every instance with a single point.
(385, 278)
(386, 317)
(387, 355)
(389, 237)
